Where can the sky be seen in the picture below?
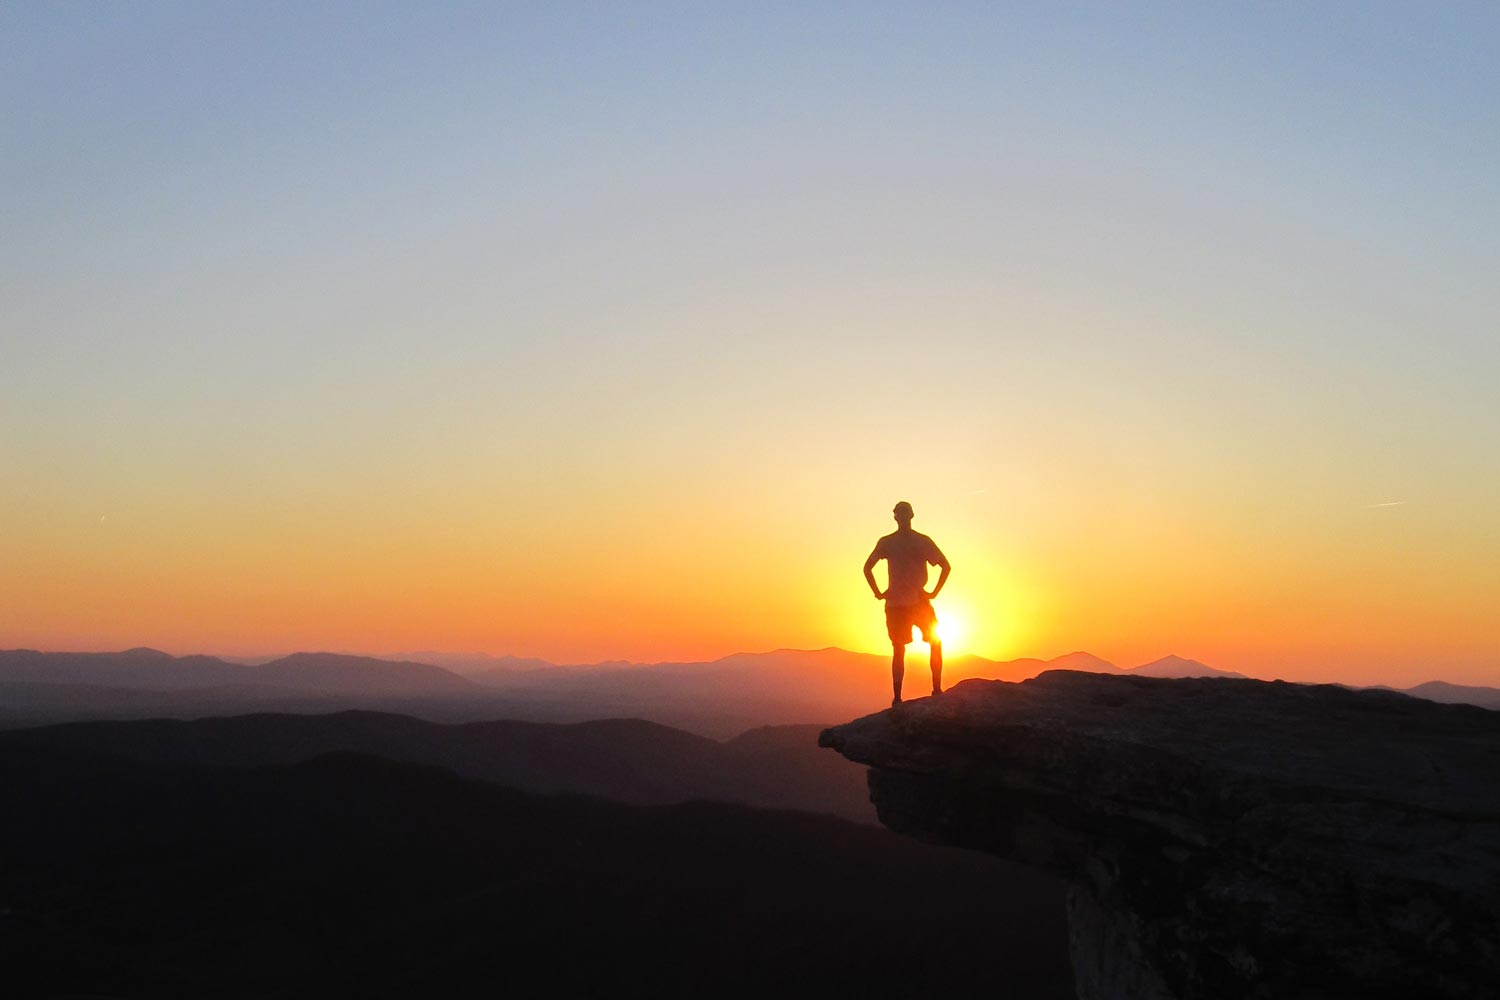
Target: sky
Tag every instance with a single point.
(615, 331)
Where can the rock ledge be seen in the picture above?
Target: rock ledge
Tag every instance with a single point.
(1221, 838)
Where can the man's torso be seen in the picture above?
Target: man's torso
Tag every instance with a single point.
(907, 554)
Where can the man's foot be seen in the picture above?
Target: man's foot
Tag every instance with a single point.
(936, 692)
(896, 701)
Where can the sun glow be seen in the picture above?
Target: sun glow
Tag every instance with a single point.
(950, 631)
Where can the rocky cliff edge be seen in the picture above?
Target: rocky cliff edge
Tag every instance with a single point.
(1221, 838)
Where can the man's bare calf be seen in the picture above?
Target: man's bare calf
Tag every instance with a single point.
(898, 667)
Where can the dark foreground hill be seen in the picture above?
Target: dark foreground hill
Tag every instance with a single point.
(354, 876)
(627, 760)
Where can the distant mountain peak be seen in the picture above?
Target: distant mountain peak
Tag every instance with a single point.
(311, 655)
(1082, 660)
(1173, 665)
(1443, 691)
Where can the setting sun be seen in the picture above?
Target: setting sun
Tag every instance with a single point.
(950, 631)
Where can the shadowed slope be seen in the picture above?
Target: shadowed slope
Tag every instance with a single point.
(623, 759)
(353, 876)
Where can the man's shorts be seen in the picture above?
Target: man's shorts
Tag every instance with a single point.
(900, 619)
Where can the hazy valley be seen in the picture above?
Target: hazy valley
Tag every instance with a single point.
(720, 698)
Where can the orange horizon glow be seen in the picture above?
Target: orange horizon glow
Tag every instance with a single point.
(184, 590)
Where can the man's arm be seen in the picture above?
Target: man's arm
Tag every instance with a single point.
(941, 561)
(875, 557)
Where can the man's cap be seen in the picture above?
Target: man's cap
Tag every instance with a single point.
(903, 506)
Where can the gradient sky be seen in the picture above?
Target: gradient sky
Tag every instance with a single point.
(615, 331)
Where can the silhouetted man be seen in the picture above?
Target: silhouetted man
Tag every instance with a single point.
(907, 602)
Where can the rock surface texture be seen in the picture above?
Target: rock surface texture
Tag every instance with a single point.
(1221, 838)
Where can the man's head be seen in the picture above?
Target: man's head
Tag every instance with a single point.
(902, 513)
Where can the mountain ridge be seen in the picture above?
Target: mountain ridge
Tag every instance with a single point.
(148, 669)
(722, 696)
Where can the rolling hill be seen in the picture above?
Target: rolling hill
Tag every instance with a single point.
(349, 875)
(626, 760)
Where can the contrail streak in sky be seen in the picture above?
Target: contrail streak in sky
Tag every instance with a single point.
(1393, 503)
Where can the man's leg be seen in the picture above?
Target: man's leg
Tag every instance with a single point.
(936, 660)
(898, 669)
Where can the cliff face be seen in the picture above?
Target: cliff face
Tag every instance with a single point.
(1221, 838)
